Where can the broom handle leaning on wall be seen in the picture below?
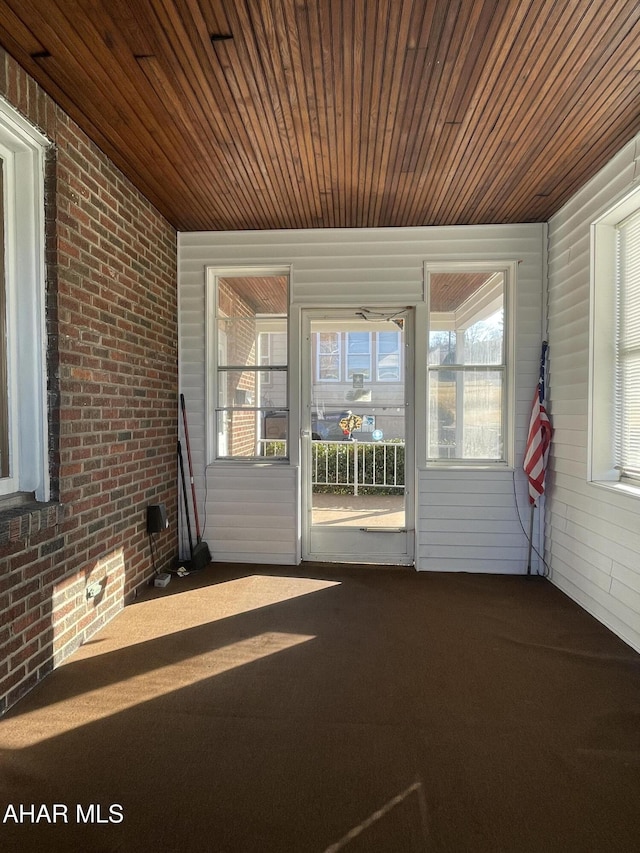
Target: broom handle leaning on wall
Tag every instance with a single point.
(185, 499)
(193, 486)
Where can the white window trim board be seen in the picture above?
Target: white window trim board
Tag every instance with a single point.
(601, 471)
(24, 149)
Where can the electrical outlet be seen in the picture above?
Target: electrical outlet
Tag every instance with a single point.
(94, 590)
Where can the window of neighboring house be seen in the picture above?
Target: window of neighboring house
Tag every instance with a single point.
(23, 411)
(614, 406)
(339, 356)
(359, 355)
(251, 409)
(328, 357)
(388, 356)
(468, 365)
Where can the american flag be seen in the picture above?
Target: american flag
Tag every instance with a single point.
(539, 438)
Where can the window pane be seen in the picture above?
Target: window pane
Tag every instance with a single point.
(247, 434)
(465, 414)
(359, 364)
(629, 417)
(259, 295)
(627, 403)
(4, 379)
(442, 347)
(329, 368)
(328, 343)
(359, 342)
(251, 327)
(388, 366)
(248, 388)
(483, 342)
(466, 318)
(466, 333)
(327, 347)
(247, 343)
(359, 354)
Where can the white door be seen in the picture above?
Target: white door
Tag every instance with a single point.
(357, 436)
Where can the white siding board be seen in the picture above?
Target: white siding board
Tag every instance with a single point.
(439, 513)
(515, 555)
(367, 266)
(612, 612)
(585, 547)
(625, 593)
(626, 576)
(570, 467)
(429, 499)
(594, 574)
(247, 504)
(473, 527)
(477, 565)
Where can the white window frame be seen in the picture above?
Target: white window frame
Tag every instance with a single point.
(508, 269)
(217, 452)
(23, 150)
(601, 468)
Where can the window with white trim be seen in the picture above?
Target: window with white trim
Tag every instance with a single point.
(627, 413)
(24, 467)
(614, 405)
(469, 364)
(250, 382)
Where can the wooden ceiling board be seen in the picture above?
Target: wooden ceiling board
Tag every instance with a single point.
(324, 113)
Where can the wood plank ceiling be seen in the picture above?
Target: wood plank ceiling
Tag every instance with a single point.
(254, 114)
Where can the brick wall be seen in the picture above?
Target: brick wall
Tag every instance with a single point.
(112, 379)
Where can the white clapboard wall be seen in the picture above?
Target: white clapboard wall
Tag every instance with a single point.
(593, 534)
(464, 520)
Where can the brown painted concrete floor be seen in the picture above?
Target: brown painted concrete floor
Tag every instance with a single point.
(333, 709)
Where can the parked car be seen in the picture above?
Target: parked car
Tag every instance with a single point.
(327, 427)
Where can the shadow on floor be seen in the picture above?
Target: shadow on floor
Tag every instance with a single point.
(253, 708)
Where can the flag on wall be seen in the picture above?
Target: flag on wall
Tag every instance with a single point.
(539, 438)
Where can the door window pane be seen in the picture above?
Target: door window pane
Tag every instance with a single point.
(388, 356)
(328, 356)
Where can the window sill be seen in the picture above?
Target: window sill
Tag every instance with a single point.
(462, 465)
(22, 516)
(254, 462)
(627, 489)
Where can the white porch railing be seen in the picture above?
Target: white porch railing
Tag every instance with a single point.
(350, 464)
(358, 464)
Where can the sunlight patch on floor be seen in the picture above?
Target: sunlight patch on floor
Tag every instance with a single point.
(195, 607)
(58, 718)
